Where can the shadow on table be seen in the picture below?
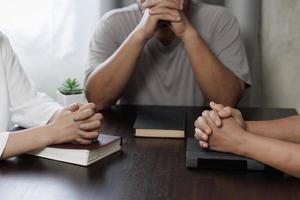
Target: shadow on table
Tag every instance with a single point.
(30, 165)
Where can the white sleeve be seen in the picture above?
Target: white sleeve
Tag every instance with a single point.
(29, 108)
(3, 141)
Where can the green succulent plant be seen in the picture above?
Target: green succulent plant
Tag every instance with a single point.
(70, 87)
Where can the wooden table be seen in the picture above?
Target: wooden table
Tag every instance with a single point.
(145, 169)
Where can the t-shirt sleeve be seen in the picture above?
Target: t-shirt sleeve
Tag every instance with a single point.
(102, 44)
(228, 45)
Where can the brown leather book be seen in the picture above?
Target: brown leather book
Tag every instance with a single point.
(160, 124)
(81, 154)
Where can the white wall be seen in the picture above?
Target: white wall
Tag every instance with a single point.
(281, 53)
(280, 44)
(51, 37)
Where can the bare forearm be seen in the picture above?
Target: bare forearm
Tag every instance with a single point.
(217, 82)
(276, 153)
(287, 129)
(106, 84)
(27, 140)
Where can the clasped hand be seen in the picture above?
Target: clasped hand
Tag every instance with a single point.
(76, 123)
(164, 10)
(220, 129)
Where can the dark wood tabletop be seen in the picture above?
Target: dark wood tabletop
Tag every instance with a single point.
(145, 169)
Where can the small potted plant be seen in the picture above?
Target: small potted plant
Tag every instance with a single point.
(70, 92)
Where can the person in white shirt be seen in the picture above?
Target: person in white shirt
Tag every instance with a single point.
(22, 104)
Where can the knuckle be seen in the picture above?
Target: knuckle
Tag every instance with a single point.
(79, 140)
(99, 116)
(97, 123)
(214, 112)
(202, 121)
(95, 134)
(93, 105)
(229, 109)
(204, 113)
(85, 142)
(68, 113)
(84, 134)
(196, 123)
(90, 111)
(211, 114)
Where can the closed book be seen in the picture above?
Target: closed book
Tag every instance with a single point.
(83, 155)
(160, 124)
(197, 157)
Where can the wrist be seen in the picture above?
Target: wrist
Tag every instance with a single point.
(240, 147)
(50, 134)
(189, 33)
(140, 35)
(53, 117)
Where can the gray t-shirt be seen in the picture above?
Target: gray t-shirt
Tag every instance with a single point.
(163, 74)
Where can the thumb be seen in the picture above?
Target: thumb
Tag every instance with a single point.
(72, 108)
(223, 113)
(217, 107)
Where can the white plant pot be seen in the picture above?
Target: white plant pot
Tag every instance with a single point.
(67, 100)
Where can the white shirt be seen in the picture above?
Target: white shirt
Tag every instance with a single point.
(20, 102)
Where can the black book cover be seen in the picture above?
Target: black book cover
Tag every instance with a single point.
(160, 120)
(197, 157)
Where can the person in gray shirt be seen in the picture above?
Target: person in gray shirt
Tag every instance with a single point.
(167, 52)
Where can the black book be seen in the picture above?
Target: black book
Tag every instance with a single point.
(197, 157)
(160, 124)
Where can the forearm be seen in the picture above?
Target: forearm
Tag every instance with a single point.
(275, 153)
(27, 140)
(287, 129)
(217, 83)
(106, 84)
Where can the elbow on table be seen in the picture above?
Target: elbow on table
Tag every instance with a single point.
(229, 101)
(236, 97)
(102, 103)
(232, 95)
